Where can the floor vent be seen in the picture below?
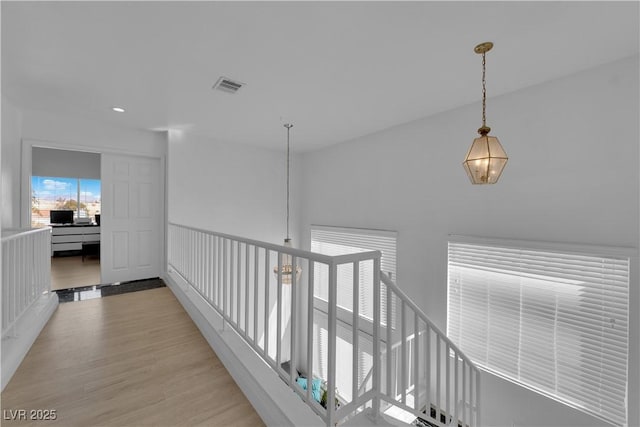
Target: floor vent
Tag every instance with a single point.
(227, 85)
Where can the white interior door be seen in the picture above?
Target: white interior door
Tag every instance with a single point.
(131, 218)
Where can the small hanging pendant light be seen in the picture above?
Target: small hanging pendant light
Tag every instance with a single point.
(286, 267)
(486, 158)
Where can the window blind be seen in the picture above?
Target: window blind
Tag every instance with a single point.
(342, 241)
(554, 321)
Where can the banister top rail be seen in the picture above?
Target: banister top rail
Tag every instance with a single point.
(387, 281)
(326, 259)
(12, 234)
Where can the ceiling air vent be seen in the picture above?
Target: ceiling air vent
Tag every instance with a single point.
(227, 85)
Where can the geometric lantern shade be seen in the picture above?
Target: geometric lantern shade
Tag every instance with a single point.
(286, 265)
(485, 160)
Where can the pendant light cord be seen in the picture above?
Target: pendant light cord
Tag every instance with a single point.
(484, 93)
(288, 126)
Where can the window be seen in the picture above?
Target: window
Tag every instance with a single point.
(554, 320)
(50, 193)
(340, 241)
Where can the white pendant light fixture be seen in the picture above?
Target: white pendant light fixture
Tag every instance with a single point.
(486, 158)
(286, 267)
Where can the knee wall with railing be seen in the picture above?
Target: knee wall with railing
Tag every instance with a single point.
(318, 320)
(26, 272)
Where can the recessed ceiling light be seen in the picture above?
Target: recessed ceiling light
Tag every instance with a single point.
(118, 109)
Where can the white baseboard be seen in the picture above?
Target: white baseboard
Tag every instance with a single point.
(19, 339)
(272, 399)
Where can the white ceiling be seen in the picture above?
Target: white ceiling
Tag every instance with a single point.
(337, 70)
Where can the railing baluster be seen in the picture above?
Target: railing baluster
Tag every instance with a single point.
(456, 391)
(225, 278)
(216, 285)
(190, 259)
(466, 416)
(256, 259)
(209, 266)
(447, 385)
(246, 290)
(212, 257)
(403, 354)
(14, 279)
(474, 405)
(416, 360)
(438, 374)
(293, 321)
(238, 284)
(310, 336)
(232, 255)
(266, 304)
(356, 328)
(377, 369)
(21, 275)
(200, 261)
(24, 274)
(279, 313)
(427, 368)
(331, 364)
(389, 342)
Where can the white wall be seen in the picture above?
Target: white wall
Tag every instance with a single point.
(230, 188)
(10, 165)
(78, 132)
(573, 176)
(51, 130)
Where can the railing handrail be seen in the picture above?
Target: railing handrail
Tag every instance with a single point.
(388, 282)
(315, 256)
(20, 232)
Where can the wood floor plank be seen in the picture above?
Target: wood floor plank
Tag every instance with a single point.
(71, 272)
(126, 360)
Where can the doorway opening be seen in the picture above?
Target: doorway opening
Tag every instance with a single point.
(66, 195)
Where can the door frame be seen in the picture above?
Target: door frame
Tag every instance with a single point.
(26, 148)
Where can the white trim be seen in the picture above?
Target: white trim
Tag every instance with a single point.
(356, 230)
(578, 248)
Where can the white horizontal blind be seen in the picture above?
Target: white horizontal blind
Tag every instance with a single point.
(341, 241)
(554, 321)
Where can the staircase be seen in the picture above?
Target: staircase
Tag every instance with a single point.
(268, 295)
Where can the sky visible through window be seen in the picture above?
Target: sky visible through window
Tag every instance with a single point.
(51, 193)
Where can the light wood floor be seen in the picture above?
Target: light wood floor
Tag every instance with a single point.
(135, 359)
(71, 272)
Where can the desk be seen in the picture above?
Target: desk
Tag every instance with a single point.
(70, 237)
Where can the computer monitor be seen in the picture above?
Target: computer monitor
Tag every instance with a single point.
(61, 217)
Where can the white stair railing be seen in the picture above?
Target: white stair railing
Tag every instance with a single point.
(425, 373)
(281, 314)
(244, 281)
(26, 272)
